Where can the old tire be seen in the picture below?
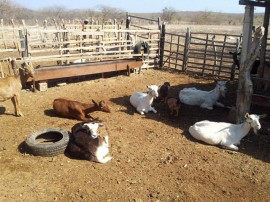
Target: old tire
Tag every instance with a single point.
(48, 142)
(146, 47)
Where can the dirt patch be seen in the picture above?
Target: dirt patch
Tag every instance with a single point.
(154, 157)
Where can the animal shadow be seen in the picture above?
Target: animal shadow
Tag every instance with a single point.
(124, 103)
(2, 110)
(50, 112)
(23, 148)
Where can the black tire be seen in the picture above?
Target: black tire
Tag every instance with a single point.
(57, 141)
(137, 48)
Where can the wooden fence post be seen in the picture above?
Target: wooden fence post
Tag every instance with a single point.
(186, 50)
(238, 42)
(159, 26)
(177, 52)
(245, 86)
(23, 43)
(222, 54)
(205, 51)
(128, 20)
(161, 45)
(264, 44)
(214, 72)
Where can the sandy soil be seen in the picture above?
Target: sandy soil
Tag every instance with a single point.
(154, 157)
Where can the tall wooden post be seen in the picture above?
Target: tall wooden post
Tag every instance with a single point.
(161, 45)
(186, 50)
(247, 31)
(245, 86)
(264, 43)
(128, 20)
(23, 48)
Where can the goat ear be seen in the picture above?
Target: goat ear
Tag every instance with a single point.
(100, 124)
(247, 115)
(263, 116)
(94, 102)
(84, 125)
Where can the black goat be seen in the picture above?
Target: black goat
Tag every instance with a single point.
(255, 65)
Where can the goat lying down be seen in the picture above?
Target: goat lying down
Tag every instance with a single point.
(163, 92)
(204, 99)
(67, 108)
(225, 134)
(143, 101)
(86, 143)
(174, 106)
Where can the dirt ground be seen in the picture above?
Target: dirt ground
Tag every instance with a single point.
(154, 157)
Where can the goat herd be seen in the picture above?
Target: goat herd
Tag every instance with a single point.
(85, 142)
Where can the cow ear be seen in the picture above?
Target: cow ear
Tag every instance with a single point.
(94, 102)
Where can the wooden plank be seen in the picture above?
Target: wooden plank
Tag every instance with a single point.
(56, 72)
(260, 100)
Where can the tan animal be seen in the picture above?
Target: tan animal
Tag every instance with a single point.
(174, 106)
(10, 87)
(67, 108)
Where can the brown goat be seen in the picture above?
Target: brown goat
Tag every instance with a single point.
(67, 108)
(163, 92)
(173, 105)
(10, 87)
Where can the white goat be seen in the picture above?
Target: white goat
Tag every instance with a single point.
(225, 134)
(204, 99)
(143, 101)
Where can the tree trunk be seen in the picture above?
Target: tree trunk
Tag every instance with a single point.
(245, 86)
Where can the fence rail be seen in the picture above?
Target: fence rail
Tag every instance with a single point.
(201, 53)
(53, 45)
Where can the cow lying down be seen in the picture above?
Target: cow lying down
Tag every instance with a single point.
(86, 143)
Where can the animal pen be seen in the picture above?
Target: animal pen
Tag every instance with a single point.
(64, 50)
(76, 49)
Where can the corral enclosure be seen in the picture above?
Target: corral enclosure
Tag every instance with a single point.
(83, 42)
(154, 158)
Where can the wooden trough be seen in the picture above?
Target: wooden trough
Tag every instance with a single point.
(74, 70)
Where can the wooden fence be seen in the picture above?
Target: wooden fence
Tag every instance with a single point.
(70, 42)
(140, 23)
(201, 53)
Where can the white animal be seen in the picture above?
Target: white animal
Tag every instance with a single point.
(204, 99)
(143, 101)
(86, 143)
(225, 134)
(103, 148)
